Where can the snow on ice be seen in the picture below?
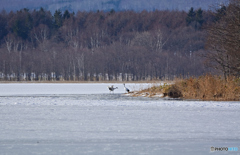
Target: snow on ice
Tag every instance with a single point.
(88, 119)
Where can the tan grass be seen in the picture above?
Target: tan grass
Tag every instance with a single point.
(207, 87)
(210, 87)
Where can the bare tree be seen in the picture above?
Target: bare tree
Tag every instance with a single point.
(223, 42)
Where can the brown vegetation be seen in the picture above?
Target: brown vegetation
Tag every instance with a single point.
(223, 42)
(208, 87)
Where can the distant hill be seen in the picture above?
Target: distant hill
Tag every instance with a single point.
(106, 5)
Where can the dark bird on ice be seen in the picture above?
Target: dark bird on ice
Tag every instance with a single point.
(111, 88)
(126, 89)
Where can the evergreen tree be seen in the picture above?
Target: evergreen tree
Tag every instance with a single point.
(66, 15)
(199, 16)
(220, 13)
(23, 24)
(58, 19)
(190, 16)
(195, 18)
(112, 11)
(3, 25)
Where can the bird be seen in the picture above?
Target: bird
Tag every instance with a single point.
(126, 89)
(111, 88)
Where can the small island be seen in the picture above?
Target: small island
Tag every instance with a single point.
(207, 87)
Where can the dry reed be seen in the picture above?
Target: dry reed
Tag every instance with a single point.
(210, 87)
(207, 87)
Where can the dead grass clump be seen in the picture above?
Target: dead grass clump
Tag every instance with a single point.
(173, 92)
(210, 87)
(207, 87)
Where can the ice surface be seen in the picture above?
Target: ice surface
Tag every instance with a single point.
(14, 89)
(61, 119)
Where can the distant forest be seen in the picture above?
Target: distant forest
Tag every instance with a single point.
(97, 46)
(107, 5)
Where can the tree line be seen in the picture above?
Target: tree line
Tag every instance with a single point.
(223, 40)
(127, 45)
(106, 5)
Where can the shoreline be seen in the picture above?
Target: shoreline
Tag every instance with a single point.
(204, 88)
(150, 82)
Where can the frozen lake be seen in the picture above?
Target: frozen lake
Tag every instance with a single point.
(87, 119)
